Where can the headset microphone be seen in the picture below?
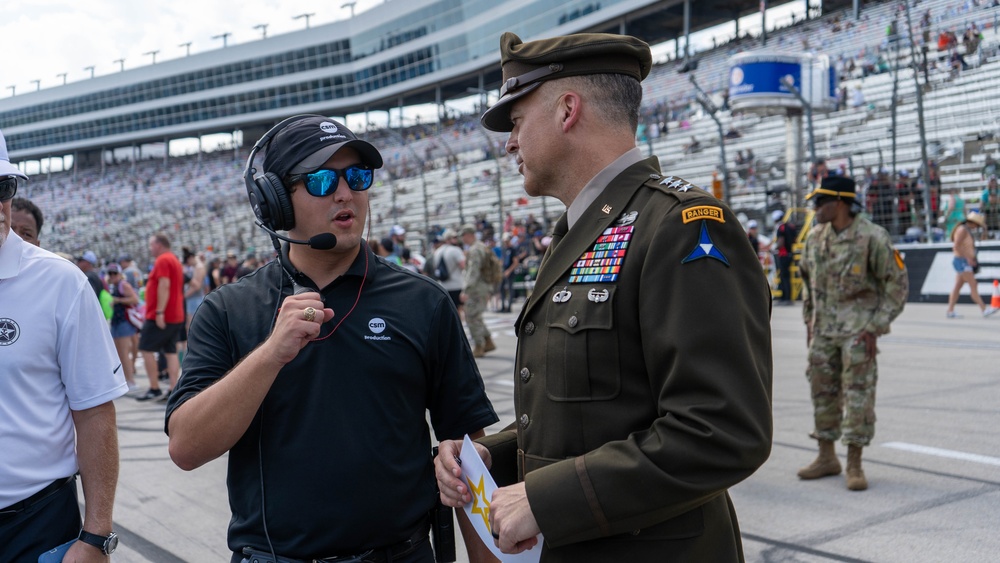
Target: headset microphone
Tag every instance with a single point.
(322, 241)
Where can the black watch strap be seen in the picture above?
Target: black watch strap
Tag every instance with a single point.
(107, 544)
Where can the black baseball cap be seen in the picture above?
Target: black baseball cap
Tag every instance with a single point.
(308, 141)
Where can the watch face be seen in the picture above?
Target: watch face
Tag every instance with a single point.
(111, 544)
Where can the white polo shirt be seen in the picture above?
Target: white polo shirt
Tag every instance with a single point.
(56, 354)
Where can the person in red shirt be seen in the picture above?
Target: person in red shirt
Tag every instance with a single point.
(164, 316)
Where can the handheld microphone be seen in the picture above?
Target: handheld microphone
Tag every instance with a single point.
(322, 241)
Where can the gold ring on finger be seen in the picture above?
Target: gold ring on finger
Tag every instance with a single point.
(309, 314)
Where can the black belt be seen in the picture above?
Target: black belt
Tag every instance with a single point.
(40, 495)
(376, 555)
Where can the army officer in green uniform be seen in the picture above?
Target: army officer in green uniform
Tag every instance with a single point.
(643, 371)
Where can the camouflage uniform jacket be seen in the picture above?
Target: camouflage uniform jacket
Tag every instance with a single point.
(853, 281)
(472, 275)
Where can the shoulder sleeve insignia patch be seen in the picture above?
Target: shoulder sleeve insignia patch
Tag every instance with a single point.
(702, 212)
(705, 248)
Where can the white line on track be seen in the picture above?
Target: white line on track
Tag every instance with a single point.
(940, 452)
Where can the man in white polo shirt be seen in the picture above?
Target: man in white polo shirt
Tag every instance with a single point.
(59, 374)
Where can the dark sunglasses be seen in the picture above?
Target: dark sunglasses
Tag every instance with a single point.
(324, 182)
(8, 187)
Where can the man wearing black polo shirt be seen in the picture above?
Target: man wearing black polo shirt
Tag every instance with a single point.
(316, 371)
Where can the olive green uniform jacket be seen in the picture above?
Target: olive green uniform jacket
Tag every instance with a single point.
(640, 401)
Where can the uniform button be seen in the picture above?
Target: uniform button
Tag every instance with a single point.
(654, 176)
(529, 328)
(524, 421)
(525, 375)
(573, 321)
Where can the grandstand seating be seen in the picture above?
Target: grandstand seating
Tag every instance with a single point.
(201, 202)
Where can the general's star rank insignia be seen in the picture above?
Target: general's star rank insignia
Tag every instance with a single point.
(676, 183)
(705, 248)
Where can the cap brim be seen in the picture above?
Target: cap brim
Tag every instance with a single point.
(369, 156)
(497, 118)
(8, 169)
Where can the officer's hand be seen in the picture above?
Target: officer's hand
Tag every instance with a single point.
(870, 341)
(462, 297)
(292, 329)
(512, 520)
(81, 552)
(448, 470)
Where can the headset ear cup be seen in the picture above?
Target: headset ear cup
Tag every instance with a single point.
(283, 215)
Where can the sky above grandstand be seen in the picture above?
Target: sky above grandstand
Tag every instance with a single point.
(44, 38)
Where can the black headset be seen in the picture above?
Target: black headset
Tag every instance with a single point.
(268, 196)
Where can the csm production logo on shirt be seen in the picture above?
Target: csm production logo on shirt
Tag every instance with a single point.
(9, 331)
(377, 326)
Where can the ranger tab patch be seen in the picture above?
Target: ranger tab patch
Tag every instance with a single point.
(702, 212)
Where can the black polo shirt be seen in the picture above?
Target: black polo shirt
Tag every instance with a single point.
(346, 451)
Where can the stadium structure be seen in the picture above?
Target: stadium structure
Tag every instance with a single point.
(452, 171)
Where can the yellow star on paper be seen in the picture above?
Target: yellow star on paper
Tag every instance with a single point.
(480, 505)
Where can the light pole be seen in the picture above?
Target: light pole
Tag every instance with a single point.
(348, 5)
(91, 69)
(306, 16)
(789, 83)
(263, 30)
(121, 62)
(38, 84)
(63, 75)
(707, 104)
(920, 122)
(224, 37)
(188, 47)
(153, 53)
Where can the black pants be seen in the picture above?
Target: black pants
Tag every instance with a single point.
(423, 554)
(785, 280)
(49, 522)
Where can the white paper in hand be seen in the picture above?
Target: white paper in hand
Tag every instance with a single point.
(481, 487)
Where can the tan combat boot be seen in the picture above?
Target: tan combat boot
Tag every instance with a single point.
(489, 346)
(855, 475)
(478, 351)
(824, 465)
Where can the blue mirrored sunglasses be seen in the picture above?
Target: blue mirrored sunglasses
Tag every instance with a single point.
(8, 187)
(324, 182)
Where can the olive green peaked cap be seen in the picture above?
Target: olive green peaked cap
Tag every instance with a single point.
(526, 65)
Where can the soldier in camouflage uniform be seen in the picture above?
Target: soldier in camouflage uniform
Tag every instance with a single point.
(854, 285)
(476, 292)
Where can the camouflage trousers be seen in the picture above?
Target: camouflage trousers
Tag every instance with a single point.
(842, 381)
(474, 307)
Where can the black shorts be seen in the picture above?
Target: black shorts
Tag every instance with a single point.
(153, 339)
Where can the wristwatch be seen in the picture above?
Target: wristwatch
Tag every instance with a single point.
(107, 544)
